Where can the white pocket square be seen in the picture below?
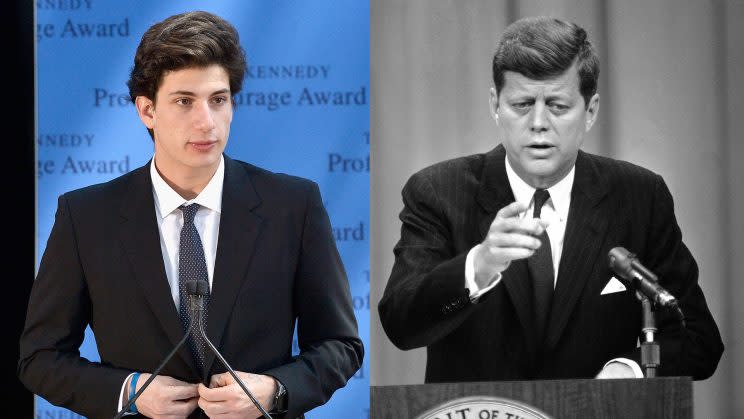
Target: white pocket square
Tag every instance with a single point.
(613, 286)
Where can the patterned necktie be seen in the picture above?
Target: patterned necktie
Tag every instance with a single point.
(540, 267)
(192, 266)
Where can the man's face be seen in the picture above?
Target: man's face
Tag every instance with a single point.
(191, 120)
(543, 124)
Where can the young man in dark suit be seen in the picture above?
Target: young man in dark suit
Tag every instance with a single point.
(501, 270)
(119, 254)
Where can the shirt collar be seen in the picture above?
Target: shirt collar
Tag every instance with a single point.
(167, 200)
(560, 193)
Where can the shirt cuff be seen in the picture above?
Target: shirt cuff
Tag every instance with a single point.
(629, 362)
(470, 283)
(121, 395)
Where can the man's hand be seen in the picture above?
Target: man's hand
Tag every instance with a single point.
(616, 370)
(225, 399)
(509, 238)
(165, 397)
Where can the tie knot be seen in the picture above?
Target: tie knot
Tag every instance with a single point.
(189, 211)
(541, 196)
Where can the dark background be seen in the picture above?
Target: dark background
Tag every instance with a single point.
(19, 208)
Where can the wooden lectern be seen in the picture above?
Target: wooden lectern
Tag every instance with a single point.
(584, 398)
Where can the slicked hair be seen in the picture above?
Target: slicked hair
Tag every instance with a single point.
(543, 47)
(193, 39)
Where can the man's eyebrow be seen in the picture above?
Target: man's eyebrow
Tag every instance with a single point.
(182, 92)
(558, 96)
(221, 91)
(188, 93)
(522, 97)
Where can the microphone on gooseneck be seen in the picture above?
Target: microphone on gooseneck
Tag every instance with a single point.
(626, 264)
(197, 290)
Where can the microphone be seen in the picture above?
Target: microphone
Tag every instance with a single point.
(197, 290)
(631, 270)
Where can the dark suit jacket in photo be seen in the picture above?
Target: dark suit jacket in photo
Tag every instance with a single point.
(448, 209)
(276, 263)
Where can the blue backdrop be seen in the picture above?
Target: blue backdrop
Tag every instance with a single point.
(304, 110)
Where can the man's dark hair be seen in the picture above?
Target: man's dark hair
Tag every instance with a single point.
(193, 39)
(543, 47)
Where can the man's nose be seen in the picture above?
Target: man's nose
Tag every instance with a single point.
(203, 118)
(538, 119)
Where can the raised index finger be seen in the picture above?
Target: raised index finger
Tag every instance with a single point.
(512, 210)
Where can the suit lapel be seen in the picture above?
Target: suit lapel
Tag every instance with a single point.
(493, 194)
(141, 241)
(238, 235)
(585, 231)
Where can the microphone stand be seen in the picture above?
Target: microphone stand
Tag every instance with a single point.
(650, 351)
(197, 292)
(645, 282)
(154, 374)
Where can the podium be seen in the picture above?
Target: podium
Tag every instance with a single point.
(669, 397)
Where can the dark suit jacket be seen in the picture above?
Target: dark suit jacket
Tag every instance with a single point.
(276, 263)
(448, 210)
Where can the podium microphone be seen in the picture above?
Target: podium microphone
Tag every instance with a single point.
(626, 265)
(197, 290)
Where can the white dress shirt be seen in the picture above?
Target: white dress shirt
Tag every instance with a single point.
(555, 211)
(170, 220)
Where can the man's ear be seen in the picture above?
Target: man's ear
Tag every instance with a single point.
(145, 110)
(591, 111)
(493, 104)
